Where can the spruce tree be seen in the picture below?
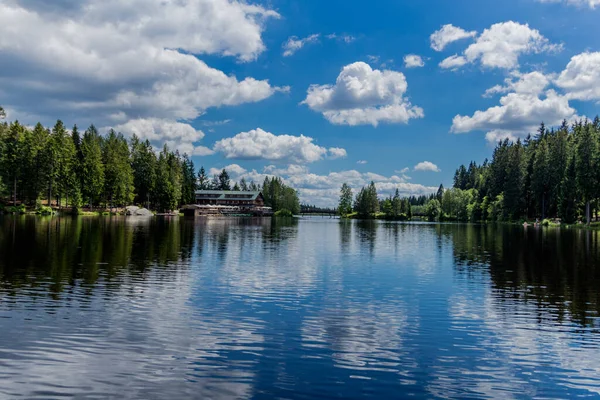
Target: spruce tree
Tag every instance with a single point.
(203, 181)
(345, 203)
(92, 166)
(143, 164)
(224, 181)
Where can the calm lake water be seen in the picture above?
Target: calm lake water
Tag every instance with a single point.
(312, 309)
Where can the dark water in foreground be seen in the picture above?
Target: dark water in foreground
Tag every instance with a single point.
(318, 309)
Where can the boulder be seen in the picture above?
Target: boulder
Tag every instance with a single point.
(143, 212)
(131, 210)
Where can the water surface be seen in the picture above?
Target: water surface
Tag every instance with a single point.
(313, 309)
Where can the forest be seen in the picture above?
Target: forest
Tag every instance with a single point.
(553, 176)
(367, 205)
(71, 170)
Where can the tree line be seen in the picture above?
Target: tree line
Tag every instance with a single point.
(554, 174)
(367, 205)
(75, 169)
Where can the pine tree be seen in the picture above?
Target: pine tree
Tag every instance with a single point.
(243, 185)
(513, 184)
(92, 166)
(440, 193)
(224, 181)
(586, 164)
(118, 174)
(36, 143)
(398, 205)
(12, 157)
(189, 181)
(65, 161)
(540, 179)
(345, 203)
(568, 194)
(203, 181)
(143, 164)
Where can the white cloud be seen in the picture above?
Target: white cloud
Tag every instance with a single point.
(448, 34)
(581, 77)
(294, 44)
(528, 99)
(501, 45)
(342, 38)
(177, 135)
(453, 62)
(413, 61)
(337, 152)
(362, 162)
(110, 61)
(517, 115)
(373, 59)
(258, 144)
(532, 83)
(215, 123)
(362, 95)
(427, 166)
(590, 3)
(234, 170)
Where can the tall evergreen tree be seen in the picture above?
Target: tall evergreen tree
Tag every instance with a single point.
(189, 181)
(568, 194)
(64, 163)
(118, 174)
(586, 165)
(143, 164)
(203, 181)
(224, 181)
(12, 157)
(243, 185)
(540, 179)
(345, 203)
(92, 166)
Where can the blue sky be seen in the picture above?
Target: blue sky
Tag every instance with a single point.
(210, 77)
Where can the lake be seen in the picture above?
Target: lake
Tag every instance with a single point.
(312, 309)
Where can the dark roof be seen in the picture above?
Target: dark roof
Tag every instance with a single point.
(226, 195)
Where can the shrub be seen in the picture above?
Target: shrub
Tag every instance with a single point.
(44, 210)
(20, 209)
(284, 213)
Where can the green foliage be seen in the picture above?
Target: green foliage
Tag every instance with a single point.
(20, 209)
(366, 203)
(188, 175)
(41, 209)
(278, 196)
(284, 213)
(555, 174)
(203, 181)
(92, 166)
(143, 163)
(224, 183)
(72, 170)
(433, 210)
(345, 203)
(118, 174)
(455, 204)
